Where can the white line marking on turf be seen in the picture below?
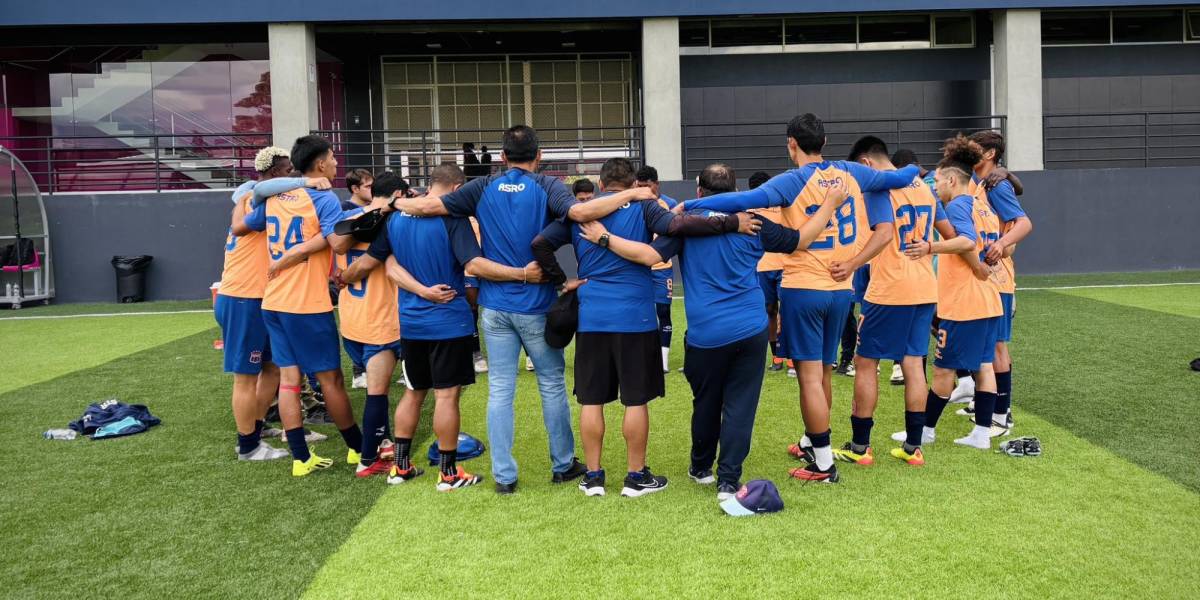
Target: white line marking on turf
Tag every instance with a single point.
(128, 314)
(1113, 285)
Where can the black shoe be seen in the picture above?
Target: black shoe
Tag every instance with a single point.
(701, 476)
(505, 489)
(777, 366)
(573, 472)
(592, 485)
(810, 473)
(727, 490)
(317, 415)
(272, 415)
(843, 367)
(648, 483)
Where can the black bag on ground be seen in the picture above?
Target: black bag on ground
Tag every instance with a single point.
(12, 257)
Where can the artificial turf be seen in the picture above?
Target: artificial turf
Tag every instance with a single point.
(1110, 510)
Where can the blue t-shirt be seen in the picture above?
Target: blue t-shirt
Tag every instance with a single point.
(433, 250)
(723, 300)
(958, 212)
(512, 208)
(619, 295)
(1003, 199)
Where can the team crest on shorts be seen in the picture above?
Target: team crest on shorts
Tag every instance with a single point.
(256, 357)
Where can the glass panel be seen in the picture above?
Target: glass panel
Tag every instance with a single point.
(612, 92)
(564, 71)
(566, 115)
(516, 115)
(565, 92)
(446, 118)
(541, 72)
(613, 114)
(465, 73)
(542, 93)
(610, 70)
(397, 118)
(445, 95)
(693, 34)
(394, 74)
(953, 30)
(420, 96)
(491, 94)
(468, 117)
(116, 102)
(589, 70)
(590, 92)
(420, 118)
(191, 98)
(893, 28)
(1075, 27)
(1193, 23)
(419, 73)
(492, 117)
(466, 94)
(591, 115)
(516, 94)
(490, 72)
(747, 32)
(1147, 26)
(820, 30)
(250, 87)
(445, 73)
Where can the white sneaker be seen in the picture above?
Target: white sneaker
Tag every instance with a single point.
(481, 365)
(264, 451)
(528, 364)
(792, 372)
(850, 371)
(359, 382)
(902, 436)
(401, 380)
(999, 428)
(964, 391)
(968, 411)
(897, 375)
(271, 432)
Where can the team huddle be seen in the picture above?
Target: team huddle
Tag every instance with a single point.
(775, 266)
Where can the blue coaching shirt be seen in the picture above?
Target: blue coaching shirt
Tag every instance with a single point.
(512, 208)
(619, 295)
(722, 297)
(433, 250)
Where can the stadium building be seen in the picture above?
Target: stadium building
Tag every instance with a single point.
(137, 117)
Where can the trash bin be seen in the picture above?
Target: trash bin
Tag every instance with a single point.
(131, 277)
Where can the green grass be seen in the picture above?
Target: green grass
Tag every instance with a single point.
(1110, 510)
(103, 308)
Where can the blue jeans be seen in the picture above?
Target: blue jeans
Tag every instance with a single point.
(505, 334)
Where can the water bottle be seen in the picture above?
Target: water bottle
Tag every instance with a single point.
(60, 434)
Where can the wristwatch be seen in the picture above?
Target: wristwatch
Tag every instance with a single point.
(603, 242)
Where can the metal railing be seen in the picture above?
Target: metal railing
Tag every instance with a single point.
(138, 161)
(413, 153)
(761, 146)
(1130, 139)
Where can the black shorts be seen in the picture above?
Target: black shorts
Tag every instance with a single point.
(438, 364)
(624, 364)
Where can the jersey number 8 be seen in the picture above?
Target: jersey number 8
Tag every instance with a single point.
(846, 223)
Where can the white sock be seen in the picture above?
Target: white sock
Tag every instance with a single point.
(981, 433)
(928, 433)
(666, 353)
(805, 442)
(1000, 419)
(824, 456)
(966, 382)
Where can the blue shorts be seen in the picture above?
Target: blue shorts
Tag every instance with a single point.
(664, 285)
(966, 344)
(1004, 330)
(470, 281)
(247, 345)
(893, 332)
(308, 341)
(813, 321)
(361, 354)
(769, 282)
(861, 279)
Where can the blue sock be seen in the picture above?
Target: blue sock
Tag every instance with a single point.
(819, 440)
(934, 405)
(375, 426)
(591, 474)
(985, 404)
(296, 443)
(247, 443)
(635, 475)
(861, 428)
(258, 426)
(1003, 392)
(353, 436)
(914, 424)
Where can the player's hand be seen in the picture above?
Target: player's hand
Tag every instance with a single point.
(534, 273)
(384, 205)
(840, 271)
(336, 278)
(995, 251)
(918, 250)
(678, 208)
(320, 183)
(592, 230)
(837, 192)
(995, 177)
(981, 271)
(643, 193)
(748, 223)
(439, 294)
(573, 285)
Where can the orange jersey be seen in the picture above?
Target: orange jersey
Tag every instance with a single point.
(289, 220)
(770, 261)
(245, 272)
(962, 297)
(369, 310)
(1007, 283)
(895, 278)
(809, 268)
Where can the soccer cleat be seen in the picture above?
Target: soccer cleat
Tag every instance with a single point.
(359, 382)
(459, 479)
(902, 436)
(592, 485)
(647, 484)
(481, 365)
(847, 453)
(844, 367)
(967, 411)
(387, 450)
(702, 476)
(999, 429)
(271, 432)
(401, 380)
(352, 456)
(574, 471)
(317, 415)
(397, 476)
(528, 364)
(810, 472)
(897, 375)
(916, 459)
(792, 372)
(850, 371)
(314, 463)
(803, 453)
(776, 365)
(379, 467)
(726, 490)
(263, 451)
(963, 392)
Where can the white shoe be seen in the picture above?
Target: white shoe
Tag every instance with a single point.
(481, 365)
(791, 373)
(359, 382)
(264, 451)
(999, 428)
(897, 375)
(902, 436)
(271, 432)
(528, 364)
(968, 411)
(850, 370)
(972, 441)
(401, 380)
(964, 391)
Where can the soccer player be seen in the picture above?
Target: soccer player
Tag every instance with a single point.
(583, 190)
(969, 306)
(471, 283)
(770, 273)
(512, 207)
(296, 305)
(436, 338)
(723, 356)
(813, 303)
(663, 271)
(897, 307)
(358, 182)
(1015, 225)
(616, 344)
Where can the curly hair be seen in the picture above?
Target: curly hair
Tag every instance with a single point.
(265, 159)
(962, 154)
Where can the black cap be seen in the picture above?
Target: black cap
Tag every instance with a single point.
(364, 228)
(562, 320)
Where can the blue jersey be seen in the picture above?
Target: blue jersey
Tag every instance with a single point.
(512, 208)
(433, 250)
(619, 295)
(723, 300)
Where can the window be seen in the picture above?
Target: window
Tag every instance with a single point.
(693, 33)
(820, 30)
(1193, 25)
(953, 30)
(1146, 26)
(747, 32)
(1075, 27)
(893, 28)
